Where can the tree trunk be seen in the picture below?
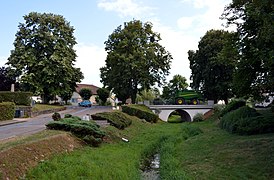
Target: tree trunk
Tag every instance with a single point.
(226, 101)
(134, 94)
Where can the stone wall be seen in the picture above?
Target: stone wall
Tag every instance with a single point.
(26, 111)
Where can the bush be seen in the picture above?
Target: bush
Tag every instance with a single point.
(246, 120)
(87, 130)
(141, 111)
(19, 98)
(198, 117)
(117, 119)
(67, 116)
(218, 108)
(7, 111)
(56, 116)
(233, 105)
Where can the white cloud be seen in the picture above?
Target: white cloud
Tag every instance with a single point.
(125, 7)
(203, 22)
(178, 43)
(185, 22)
(90, 59)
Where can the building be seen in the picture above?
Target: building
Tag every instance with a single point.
(76, 98)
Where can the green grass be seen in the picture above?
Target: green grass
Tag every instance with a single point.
(111, 161)
(28, 139)
(174, 119)
(187, 150)
(42, 107)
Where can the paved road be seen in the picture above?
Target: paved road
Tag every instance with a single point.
(36, 124)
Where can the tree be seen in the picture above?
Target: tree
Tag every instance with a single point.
(103, 94)
(135, 60)
(213, 64)
(85, 93)
(44, 55)
(255, 70)
(5, 80)
(147, 95)
(177, 83)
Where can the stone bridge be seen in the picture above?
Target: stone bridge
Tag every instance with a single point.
(187, 112)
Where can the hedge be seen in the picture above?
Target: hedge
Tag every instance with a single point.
(233, 105)
(7, 111)
(19, 98)
(87, 130)
(141, 111)
(246, 121)
(117, 119)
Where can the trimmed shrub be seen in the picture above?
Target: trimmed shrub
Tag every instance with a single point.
(141, 111)
(246, 120)
(117, 119)
(19, 98)
(67, 116)
(87, 130)
(7, 111)
(198, 117)
(233, 105)
(56, 116)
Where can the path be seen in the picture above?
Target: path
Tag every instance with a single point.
(29, 126)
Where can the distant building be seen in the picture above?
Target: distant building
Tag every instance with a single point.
(76, 98)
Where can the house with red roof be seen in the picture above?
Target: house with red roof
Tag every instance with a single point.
(76, 98)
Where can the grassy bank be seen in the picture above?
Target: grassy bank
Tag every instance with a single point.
(188, 151)
(42, 107)
(120, 160)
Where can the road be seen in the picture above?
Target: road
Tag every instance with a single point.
(36, 124)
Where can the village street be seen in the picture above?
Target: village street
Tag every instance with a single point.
(26, 126)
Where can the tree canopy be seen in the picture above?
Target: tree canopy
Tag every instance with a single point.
(85, 93)
(43, 55)
(177, 83)
(254, 20)
(5, 80)
(135, 60)
(103, 95)
(213, 64)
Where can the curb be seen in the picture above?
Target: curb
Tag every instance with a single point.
(3, 123)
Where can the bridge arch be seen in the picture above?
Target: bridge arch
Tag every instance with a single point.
(186, 111)
(185, 116)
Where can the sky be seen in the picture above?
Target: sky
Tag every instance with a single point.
(181, 24)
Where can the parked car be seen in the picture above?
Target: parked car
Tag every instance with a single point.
(266, 103)
(85, 103)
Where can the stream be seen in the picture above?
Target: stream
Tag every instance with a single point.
(151, 169)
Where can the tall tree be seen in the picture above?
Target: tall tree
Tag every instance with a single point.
(177, 83)
(44, 55)
(254, 20)
(213, 64)
(135, 60)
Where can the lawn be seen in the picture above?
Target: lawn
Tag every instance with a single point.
(42, 107)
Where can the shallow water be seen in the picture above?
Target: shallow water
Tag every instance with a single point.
(151, 170)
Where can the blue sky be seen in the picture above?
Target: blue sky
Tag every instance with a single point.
(181, 24)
